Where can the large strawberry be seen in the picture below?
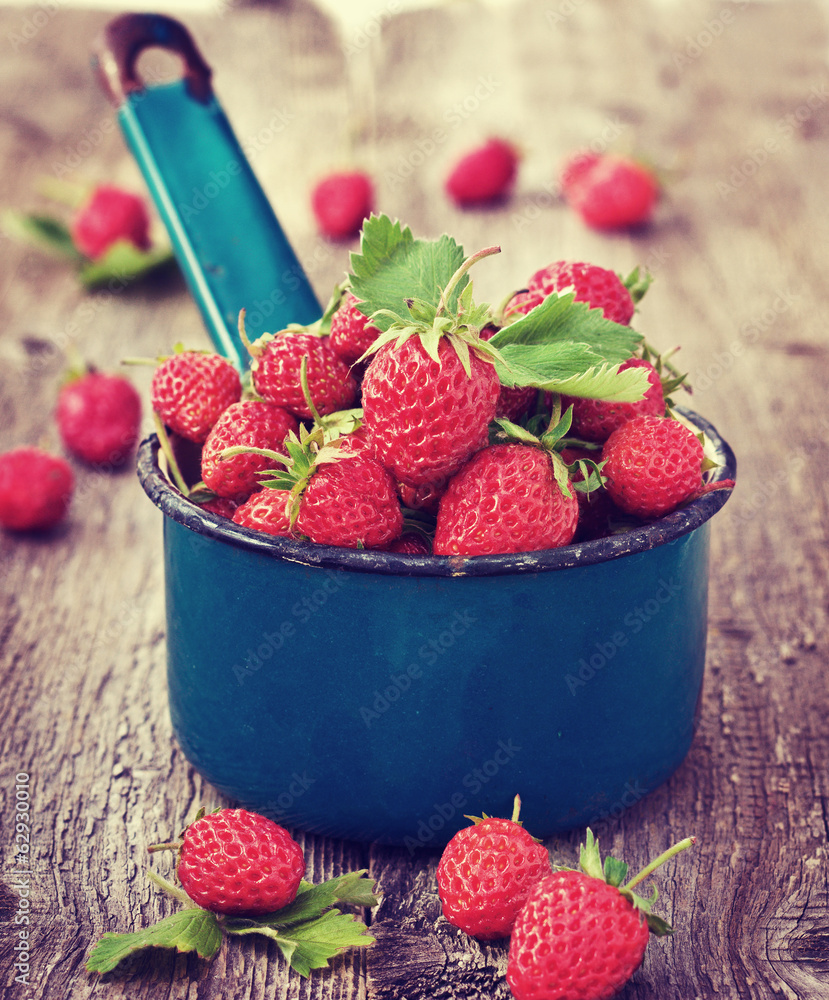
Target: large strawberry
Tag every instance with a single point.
(600, 287)
(251, 423)
(506, 499)
(652, 464)
(582, 934)
(486, 873)
(191, 389)
(431, 388)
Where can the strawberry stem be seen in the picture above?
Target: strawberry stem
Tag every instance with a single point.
(169, 454)
(665, 856)
(168, 887)
(516, 808)
(446, 294)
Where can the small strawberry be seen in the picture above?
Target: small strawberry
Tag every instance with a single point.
(486, 873)
(238, 862)
(251, 423)
(410, 543)
(190, 390)
(99, 418)
(35, 489)
(222, 506)
(652, 465)
(109, 215)
(596, 419)
(513, 402)
(507, 498)
(611, 191)
(483, 175)
(597, 286)
(581, 935)
(351, 333)
(268, 510)
(276, 366)
(340, 202)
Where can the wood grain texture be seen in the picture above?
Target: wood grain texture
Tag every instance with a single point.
(732, 100)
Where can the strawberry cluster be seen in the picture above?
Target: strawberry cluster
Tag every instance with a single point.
(574, 933)
(409, 418)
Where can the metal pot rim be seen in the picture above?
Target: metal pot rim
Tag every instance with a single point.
(660, 532)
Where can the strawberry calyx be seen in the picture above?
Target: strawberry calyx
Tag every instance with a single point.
(613, 872)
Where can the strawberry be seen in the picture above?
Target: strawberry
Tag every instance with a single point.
(222, 506)
(99, 418)
(598, 286)
(596, 419)
(267, 510)
(486, 873)
(580, 936)
(652, 464)
(238, 862)
(35, 489)
(340, 202)
(611, 191)
(505, 499)
(483, 175)
(190, 390)
(513, 403)
(425, 416)
(351, 333)
(410, 543)
(250, 423)
(110, 214)
(276, 366)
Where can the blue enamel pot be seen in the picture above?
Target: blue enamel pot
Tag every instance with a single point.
(374, 696)
(381, 697)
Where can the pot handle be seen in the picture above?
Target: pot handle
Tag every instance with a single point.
(226, 237)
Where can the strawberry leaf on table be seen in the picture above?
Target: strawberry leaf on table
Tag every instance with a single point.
(188, 930)
(393, 268)
(43, 231)
(124, 262)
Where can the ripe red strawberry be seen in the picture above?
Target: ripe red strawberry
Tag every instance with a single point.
(267, 510)
(238, 862)
(341, 201)
(190, 391)
(486, 873)
(580, 936)
(596, 419)
(221, 506)
(410, 543)
(35, 489)
(351, 333)
(483, 175)
(277, 360)
(611, 192)
(249, 423)
(109, 215)
(652, 464)
(505, 499)
(598, 286)
(576, 168)
(424, 418)
(99, 418)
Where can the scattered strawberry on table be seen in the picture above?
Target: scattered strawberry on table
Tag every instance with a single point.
(610, 191)
(407, 404)
(110, 214)
(483, 175)
(99, 417)
(36, 489)
(241, 874)
(341, 201)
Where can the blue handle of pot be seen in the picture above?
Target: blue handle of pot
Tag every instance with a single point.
(226, 237)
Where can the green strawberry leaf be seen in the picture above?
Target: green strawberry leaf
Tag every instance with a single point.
(559, 318)
(570, 368)
(392, 268)
(42, 231)
(188, 930)
(308, 931)
(590, 860)
(123, 263)
(637, 284)
(615, 871)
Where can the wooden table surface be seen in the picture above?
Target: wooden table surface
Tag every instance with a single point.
(731, 99)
